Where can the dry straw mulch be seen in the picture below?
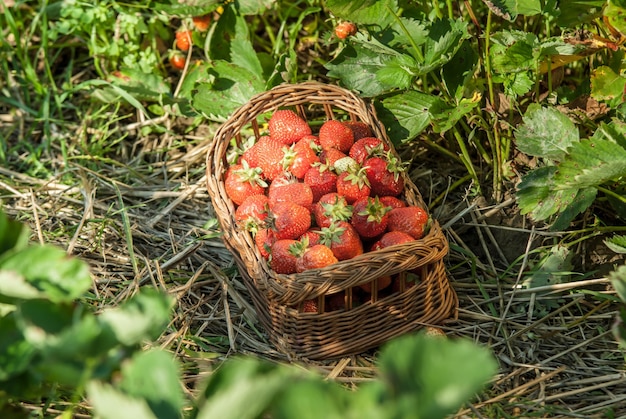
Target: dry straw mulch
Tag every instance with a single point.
(147, 221)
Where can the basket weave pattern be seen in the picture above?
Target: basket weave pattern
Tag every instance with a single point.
(276, 297)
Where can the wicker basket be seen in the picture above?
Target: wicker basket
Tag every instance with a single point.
(353, 329)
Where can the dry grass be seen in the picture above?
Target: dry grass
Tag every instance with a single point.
(148, 223)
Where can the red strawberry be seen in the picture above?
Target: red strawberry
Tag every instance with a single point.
(342, 239)
(392, 201)
(315, 257)
(290, 220)
(321, 180)
(392, 238)
(202, 23)
(359, 129)
(370, 217)
(282, 260)
(309, 306)
(284, 189)
(334, 134)
(177, 60)
(264, 239)
(330, 208)
(287, 127)
(353, 185)
(336, 301)
(268, 154)
(381, 283)
(311, 236)
(384, 175)
(411, 220)
(329, 157)
(252, 212)
(345, 29)
(367, 147)
(300, 157)
(183, 39)
(242, 181)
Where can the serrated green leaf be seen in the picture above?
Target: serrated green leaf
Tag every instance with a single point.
(398, 72)
(615, 12)
(510, 9)
(613, 131)
(579, 12)
(232, 88)
(444, 39)
(444, 116)
(13, 235)
(616, 244)
(606, 85)
(405, 32)
(583, 200)
(242, 52)
(366, 12)
(302, 399)
(254, 7)
(458, 72)
(154, 376)
(186, 9)
(16, 352)
(513, 51)
(537, 196)
(554, 268)
(111, 403)
(590, 163)
(546, 133)
(405, 114)
(14, 286)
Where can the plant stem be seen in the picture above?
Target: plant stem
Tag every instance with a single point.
(611, 193)
(488, 59)
(465, 156)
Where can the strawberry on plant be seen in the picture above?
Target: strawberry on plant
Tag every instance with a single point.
(287, 127)
(359, 129)
(315, 257)
(353, 185)
(334, 134)
(321, 180)
(411, 220)
(177, 60)
(282, 260)
(289, 220)
(183, 39)
(342, 239)
(300, 156)
(252, 212)
(384, 175)
(330, 208)
(202, 23)
(367, 147)
(267, 153)
(344, 30)
(284, 188)
(370, 217)
(241, 180)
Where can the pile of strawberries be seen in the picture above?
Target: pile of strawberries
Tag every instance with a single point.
(313, 200)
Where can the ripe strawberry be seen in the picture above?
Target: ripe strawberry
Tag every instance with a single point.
(330, 208)
(177, 60)
(392, 201)
(309, 306)
(282, 260)
(321, 180)
(411, 220)
(183, 39)
(300, 157)
(345, 29)
(391, 238)
(384, 175)
(311, 236)
(287, 127)
(267, 153)
(264, 239)
(202, 23)
(336, 301)
(359, 129)
(284, 189)
(381, 283)
(290, 220)
(353, 185)
(241, 181)
(252, 212)
(367, 147)
(342, 239)
(331, 156)
(334, 134)
(315, 257)
(370, 217)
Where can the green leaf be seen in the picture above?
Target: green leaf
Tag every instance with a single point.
(606, 85)
(13, 234)
(144, 317)
(537, 196)
(16, 352)
(513, 51)
(399, 72)
(433, 377)
(242, 52)
(618, 280)
(444, 39)
(615, 12)
(458, 72)
(546, 133)
(510, 9)
(365, 12)
(554, 268)
(186, 9)
(614, 131)
(444, 116)
(154, 376)
(302, 399)
(254, 7)
(111, 403)
(591, 162)
(59, 277)
(15, 286)
(616, 244)
(405, 114)
(232, 87)
(583, 200)
(579, 12)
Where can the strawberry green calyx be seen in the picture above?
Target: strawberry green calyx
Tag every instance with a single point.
(252, 175)
(374, 210)
(338, 210)
(395, 165)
